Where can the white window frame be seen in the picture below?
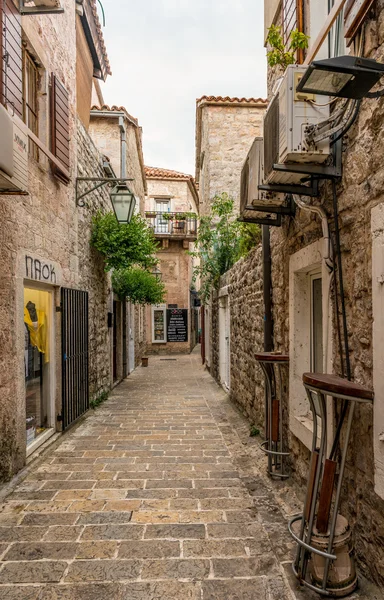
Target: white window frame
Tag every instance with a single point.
(377, 228)
(318, 13)
(304, 266)
(159, 307)
(313, 277)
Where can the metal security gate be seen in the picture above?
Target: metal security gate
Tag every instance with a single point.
(74, 335)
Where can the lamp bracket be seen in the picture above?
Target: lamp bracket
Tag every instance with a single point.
(99, 182)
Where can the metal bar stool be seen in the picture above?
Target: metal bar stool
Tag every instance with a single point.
(324, 537)
(271, 364)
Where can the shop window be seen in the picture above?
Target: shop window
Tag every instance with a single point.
(310, 325)
(37, 362)
(159, 332)
(377, 219)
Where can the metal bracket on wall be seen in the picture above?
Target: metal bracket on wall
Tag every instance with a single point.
(276, 222)
(301, 190)
(320, 171)
(99, 182)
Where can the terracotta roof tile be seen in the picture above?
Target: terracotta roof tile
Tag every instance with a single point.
(93, 4)
(115, 108)
(158, 173)
(229, 100)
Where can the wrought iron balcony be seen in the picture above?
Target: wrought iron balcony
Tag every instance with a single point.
(176, 225)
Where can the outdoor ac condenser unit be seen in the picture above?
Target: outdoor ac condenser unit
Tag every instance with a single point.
(13, 154)
(285, 122)
(252, 176)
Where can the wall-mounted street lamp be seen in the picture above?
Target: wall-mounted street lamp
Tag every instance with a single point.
(123, 200)
(157, 273)
(344, 77)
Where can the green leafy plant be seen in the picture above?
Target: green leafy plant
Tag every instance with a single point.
(220, 244)
(99, 400)
(282, 55)
(124, 245)
(250, 236)
(254, 431)
(138, 286)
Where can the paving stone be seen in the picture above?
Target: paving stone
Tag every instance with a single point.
(32, 572)
(93, 550)
(213, 548)
(93, 591)
(104, 518)
(155, 516)
(113, 532)
(103, 570)
(21, 534)
(176, 569)
(149, 549)
(201, 516)
(63, 533)
(238, 530)
(40, 550)
(16, 592)
(239, 589)
(50, 519)
(244, 567)
(175, 531)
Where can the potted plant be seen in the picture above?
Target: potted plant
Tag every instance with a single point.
(150, 214)
(167, 216)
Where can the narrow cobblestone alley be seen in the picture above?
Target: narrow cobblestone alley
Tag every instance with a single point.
(155, 496)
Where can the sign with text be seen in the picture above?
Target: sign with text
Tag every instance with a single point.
(177, 325)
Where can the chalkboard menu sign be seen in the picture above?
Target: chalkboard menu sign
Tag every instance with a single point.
(177, 325)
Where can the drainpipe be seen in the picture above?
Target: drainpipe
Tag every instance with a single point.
(267, 290)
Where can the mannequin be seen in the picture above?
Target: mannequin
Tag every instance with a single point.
(31, 308)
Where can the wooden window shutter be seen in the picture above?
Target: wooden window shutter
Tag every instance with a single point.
(293, 18)
(355, 12)
(11, 57)
(60, 126)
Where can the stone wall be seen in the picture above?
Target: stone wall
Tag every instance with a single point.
(92, 276)
(359, 190)
(227, 132)
(245, 294)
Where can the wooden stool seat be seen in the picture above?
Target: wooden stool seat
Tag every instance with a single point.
(271, 357)
(337, 386)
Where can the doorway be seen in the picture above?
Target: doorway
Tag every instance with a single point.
(38, 371)
(224, 342)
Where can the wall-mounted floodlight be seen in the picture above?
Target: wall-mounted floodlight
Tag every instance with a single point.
(343, 77)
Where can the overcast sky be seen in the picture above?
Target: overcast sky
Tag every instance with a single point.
(166, 53)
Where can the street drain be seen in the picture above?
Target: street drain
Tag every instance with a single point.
(168, 358)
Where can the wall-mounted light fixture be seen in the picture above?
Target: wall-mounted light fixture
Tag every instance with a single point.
(123, 200)
(157, 273)
(343, 77)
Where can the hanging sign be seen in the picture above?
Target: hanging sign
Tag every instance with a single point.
(177, 325)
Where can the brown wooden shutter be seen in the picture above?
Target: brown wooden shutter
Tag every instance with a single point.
(60, 126)
(11, 81)
(355, 12)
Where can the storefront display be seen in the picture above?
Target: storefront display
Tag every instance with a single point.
(159, 325)
(37, 322)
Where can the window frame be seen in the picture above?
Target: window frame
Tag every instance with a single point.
(163, 308)
(30, 66)
(312, 277)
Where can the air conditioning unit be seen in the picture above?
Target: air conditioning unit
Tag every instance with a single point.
(255, 204)
(285, 122)
(13, 154)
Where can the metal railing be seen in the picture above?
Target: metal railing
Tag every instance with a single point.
(175, 223)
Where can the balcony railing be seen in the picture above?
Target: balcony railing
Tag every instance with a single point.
(172, 224)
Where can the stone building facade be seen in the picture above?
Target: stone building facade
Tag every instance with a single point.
(172, 208)
(297, 259)
(225, 130)
(52, 281)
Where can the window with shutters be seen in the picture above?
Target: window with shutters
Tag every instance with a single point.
(293, 18)
(30, 99)
(60, 141)
(11, 59)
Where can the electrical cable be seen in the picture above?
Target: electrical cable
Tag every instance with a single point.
(349, 123)
(102, 10)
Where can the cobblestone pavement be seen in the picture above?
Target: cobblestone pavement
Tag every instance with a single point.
(158, 495)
